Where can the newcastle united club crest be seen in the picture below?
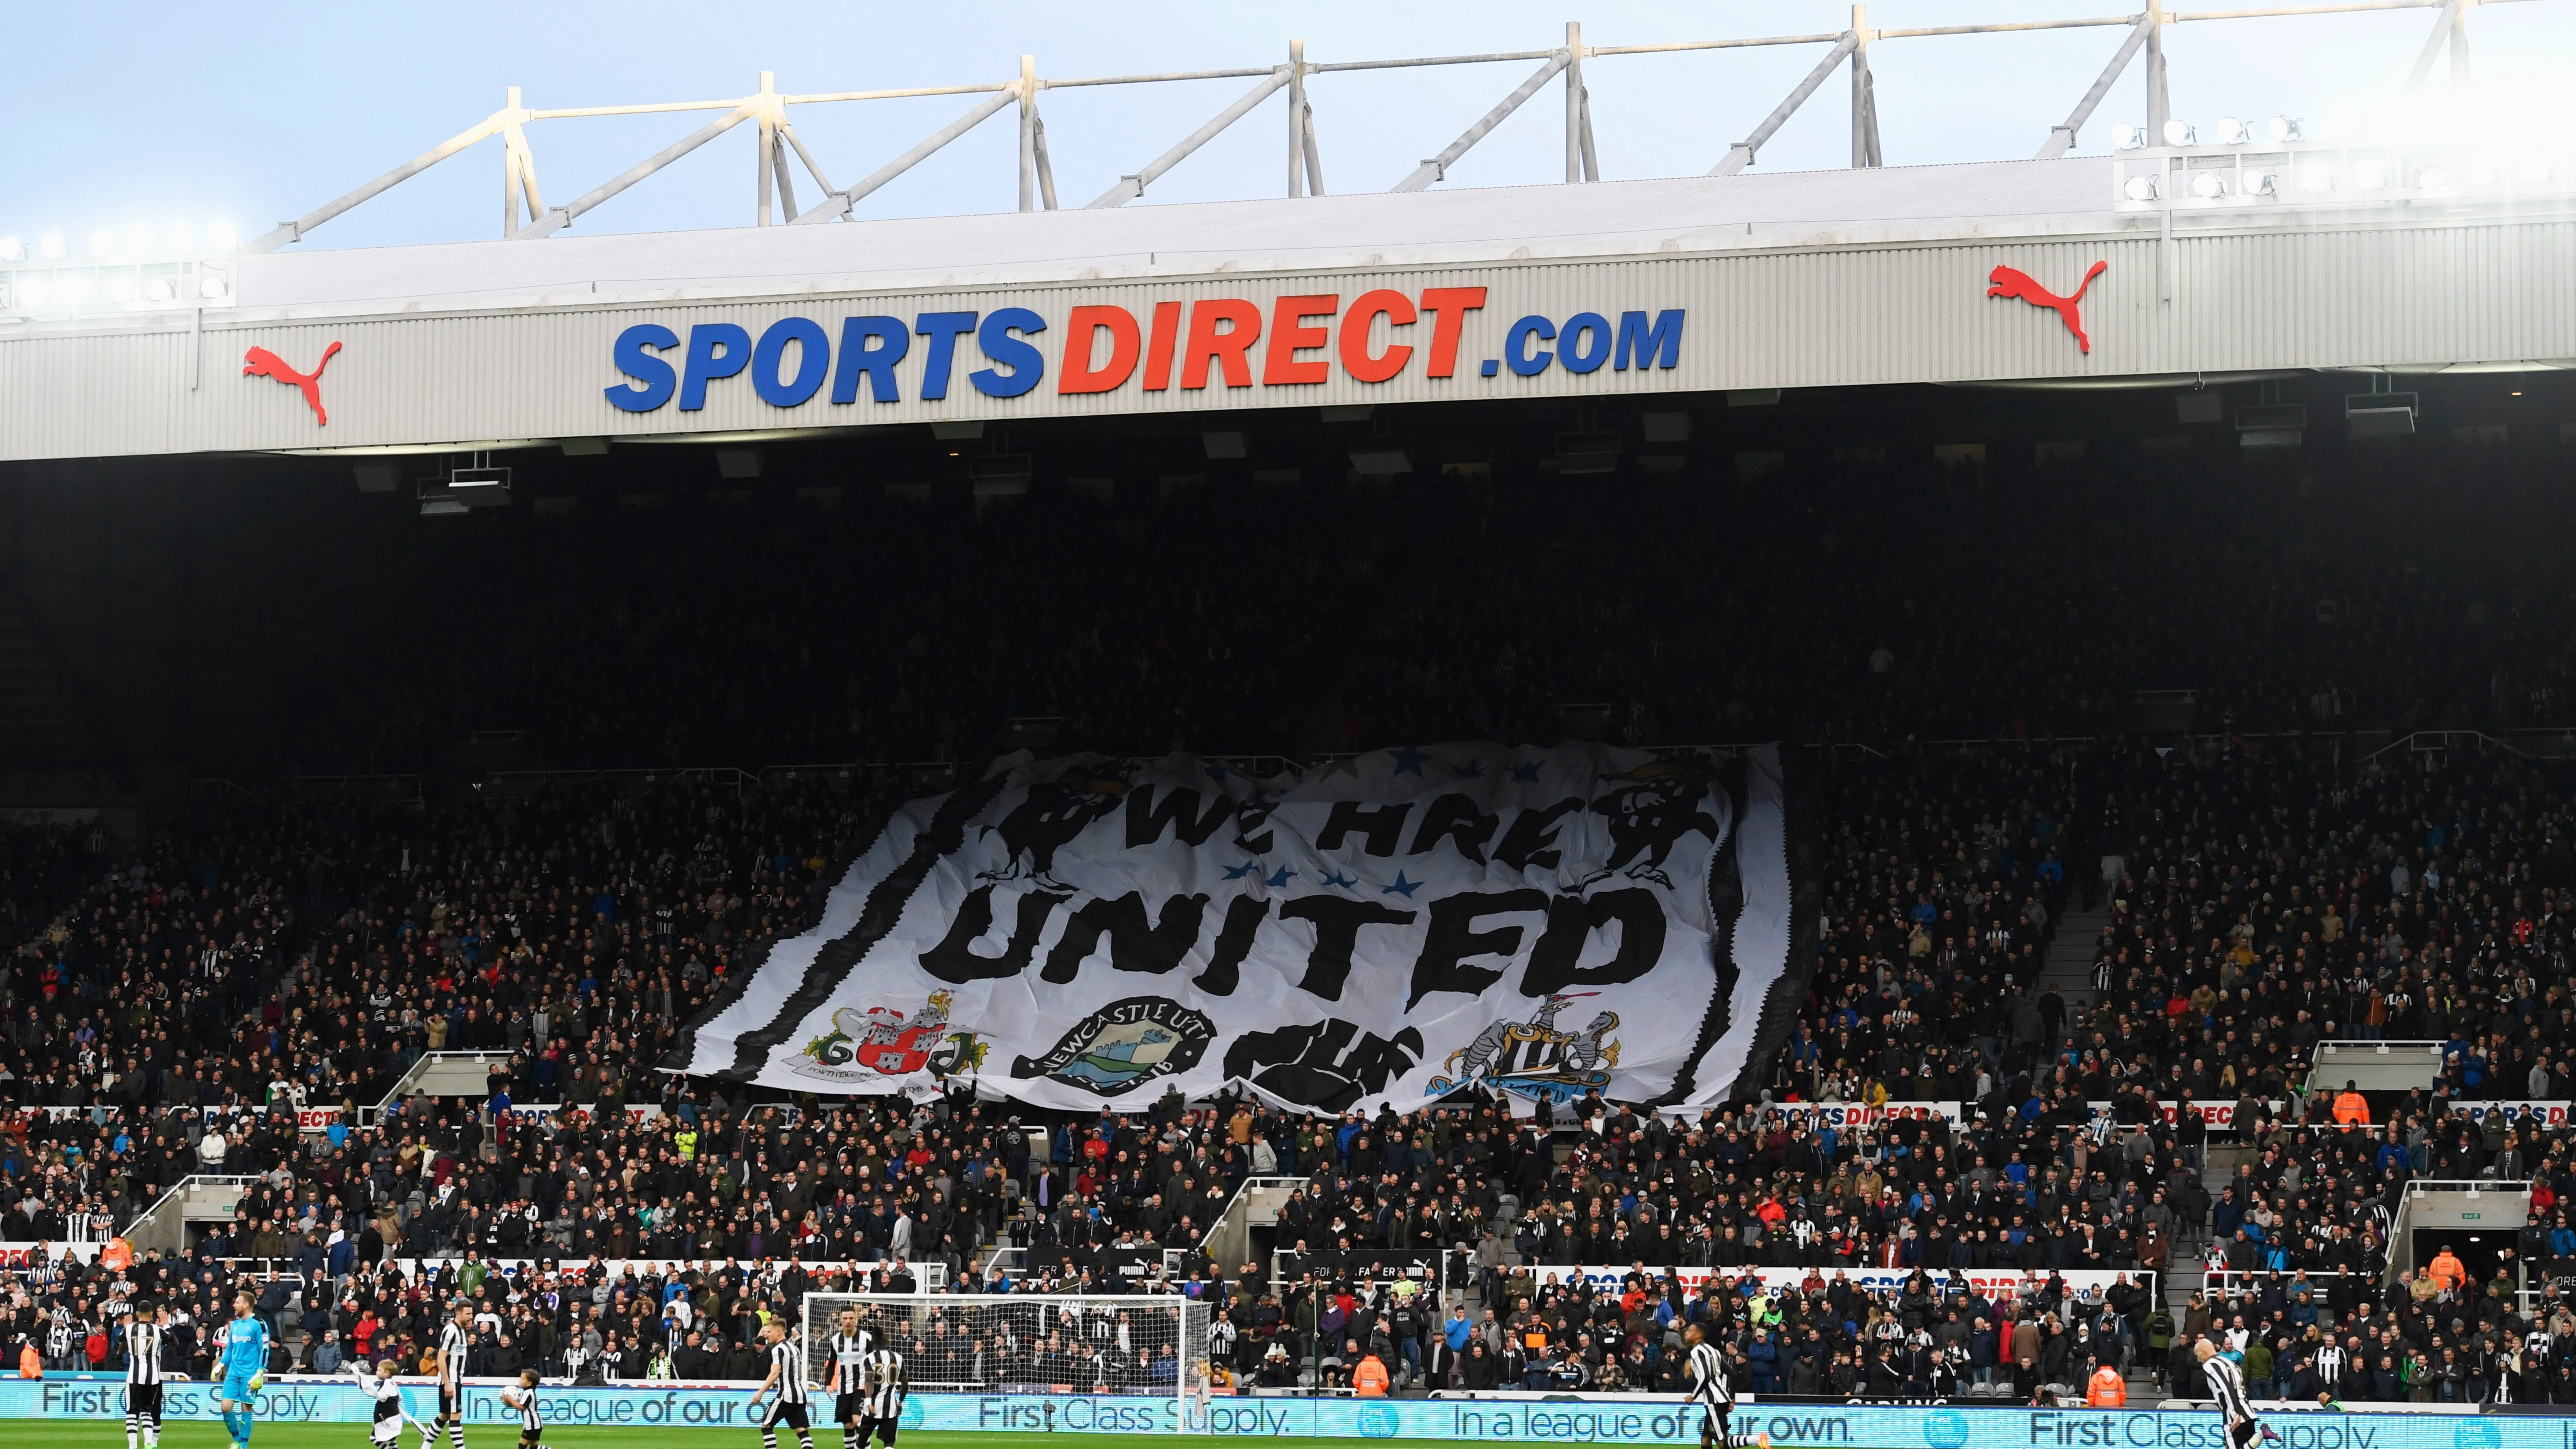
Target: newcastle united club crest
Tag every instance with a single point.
(1124, 1046)
(880, 1042)
(1535, 1058)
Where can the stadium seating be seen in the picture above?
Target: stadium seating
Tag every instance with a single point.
(2046, 912)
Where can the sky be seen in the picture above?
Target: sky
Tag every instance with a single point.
(165, 115)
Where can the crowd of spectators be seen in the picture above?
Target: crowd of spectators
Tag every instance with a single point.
(1849, 601)
(171, 1008)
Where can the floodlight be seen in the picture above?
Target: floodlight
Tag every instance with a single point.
(102, 244)
(2140, 188)
(213, 289)
(2259, 183)
(2369, 175)
(2233, 132)
(34, 292)
(179, 239)
(138, 240)
(220, 236)
(51, 245)
(161, 289)
(2209, 186)
(2433, 178)
(120, 289)
(2480, 169)
(73, 291)
(11, 249)
(2282, 128)
(2316, 178)
(2128, 136)
(2180, 133)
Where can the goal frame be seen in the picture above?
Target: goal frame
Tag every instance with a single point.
(820, 1313)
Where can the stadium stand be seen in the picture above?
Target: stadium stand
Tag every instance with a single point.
(2040, 912)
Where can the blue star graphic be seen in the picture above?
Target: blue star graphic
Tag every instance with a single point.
(1336, 878)
(1472, 770)
(1528, 772)
(1238, 872)
(1408, 761)
(1281, 877)
(1402, 887)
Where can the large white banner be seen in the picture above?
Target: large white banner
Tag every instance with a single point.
(1394, 927)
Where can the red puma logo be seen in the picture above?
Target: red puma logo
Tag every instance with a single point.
(260, 362)
(2012, 282)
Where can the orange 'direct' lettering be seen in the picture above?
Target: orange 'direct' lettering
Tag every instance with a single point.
(1082, 340)
(1356, 323)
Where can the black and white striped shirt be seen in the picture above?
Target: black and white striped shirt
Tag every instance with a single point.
(528, 1420)
(1709, 1384)
(388, 1411)
(2329, 1364)
(883, 1384)
(143, 1354)
(2227, 1386)
(791, 1374)
(453, 1341)
(849, 1352)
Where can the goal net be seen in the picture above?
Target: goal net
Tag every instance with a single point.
(1144, 1344)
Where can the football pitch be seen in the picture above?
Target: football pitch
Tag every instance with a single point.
(109, 1434)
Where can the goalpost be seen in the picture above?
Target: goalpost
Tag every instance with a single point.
(1148, 1345)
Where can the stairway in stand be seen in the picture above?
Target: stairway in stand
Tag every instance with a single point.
(2068, 969)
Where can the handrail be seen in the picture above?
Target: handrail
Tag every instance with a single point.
(177, 1192)
(370, 1116)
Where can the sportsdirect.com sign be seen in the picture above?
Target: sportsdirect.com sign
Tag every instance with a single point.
(1591, 1419)
(1222, 343)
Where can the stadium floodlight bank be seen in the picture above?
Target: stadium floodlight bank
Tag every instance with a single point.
(1147, 1345)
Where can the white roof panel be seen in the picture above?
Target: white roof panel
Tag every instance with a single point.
(1605, 219)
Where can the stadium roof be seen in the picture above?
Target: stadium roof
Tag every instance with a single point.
(1365, 231)
(2141, 268)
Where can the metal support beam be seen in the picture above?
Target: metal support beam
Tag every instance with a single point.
(1028, 93)
(2061, 139)
(2159, 108)
(1046, 169)
(838, 204)
(289, 231)
(564, 216)
(806, 156)
(1296, 118)
(1438, 166)
(785, 178)
(523, 198)
(1573, 101)
(1314, 160)
(1742, 153)
(1864, 118)
(510, 166)
(1593, 161)
(1131, 187)
(2446, 27)
(768, 142)
(518, 167)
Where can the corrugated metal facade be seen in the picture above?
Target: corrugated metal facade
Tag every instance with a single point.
(2403, 292)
